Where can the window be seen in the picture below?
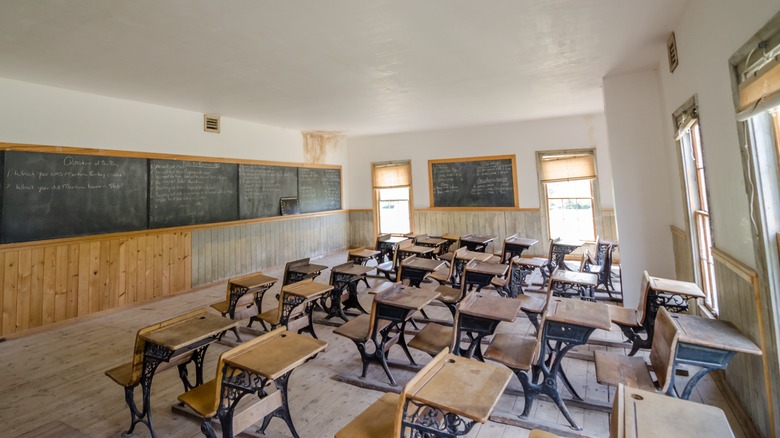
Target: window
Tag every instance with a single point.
(697, 204)
(392, 184)
(567, 180)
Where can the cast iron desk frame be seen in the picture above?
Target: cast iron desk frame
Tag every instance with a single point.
(345, 277)
(387, 247)
(257, 283)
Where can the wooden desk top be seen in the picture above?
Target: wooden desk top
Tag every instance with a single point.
(417, 249)
(465, 387)
(578, 312)
(308, 269)
(189, 331)
(411, 298)
(429, 265)
(497, 269)
(569, 243)
(581, 278)
(364, 252)
(490, 306)
(253, 280)
(307, 289)
(352, 269)
(644, 414)
(713, 333)
(394, 239)
(478, 256)
(431, 241)
(676, 287)
(476, 238)
(522, 241)
(450, 237)
(278, 355)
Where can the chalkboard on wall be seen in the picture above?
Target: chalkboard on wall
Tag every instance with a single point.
(260, 188)
(473, 182)
(192, 192)
(319, 189)
(48, 195)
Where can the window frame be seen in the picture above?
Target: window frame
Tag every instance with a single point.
(375, 191)
(592, 209)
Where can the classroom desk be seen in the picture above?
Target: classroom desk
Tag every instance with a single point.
(583, 282)
(237, 288)
(450, 238)
(387, 246)
(303, 272)
(483, 272)
(397, 306)
(460, 261)
(480, 316)
(362, 256)
(637, 413)
(514, 247)
(416, 250)
(561, 249)
(433, 242)
(302, 292)
(476, 242)
(460, 391)
(415, 269)
(249, 373)
(709, 344)
(345, 276)
(568, 323)
(192, 335)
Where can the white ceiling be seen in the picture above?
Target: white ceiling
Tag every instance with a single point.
(357, 66)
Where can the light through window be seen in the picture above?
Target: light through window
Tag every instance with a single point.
(394, 210)
(570, 209)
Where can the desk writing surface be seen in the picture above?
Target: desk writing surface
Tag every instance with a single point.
(364, 253)
(407, 297)
(431, 241)
(429, 265)
(478, 256)
(476, 238)
(352, 269)
(492, 307)
(569, 243)
(578, 312)
(713, 333)
(417, 249)
(306, 289)
(278, 355)
(571, 277)
(465, 387)
(646, 414)
(308, 269)
(522, 241)
(676, 287)
(253, 280)
(189, 331)
(395, 239)
(497, 269)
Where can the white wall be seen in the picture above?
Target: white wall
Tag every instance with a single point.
(640, 178)
(520, 138)
(37, 114)
(707, 35)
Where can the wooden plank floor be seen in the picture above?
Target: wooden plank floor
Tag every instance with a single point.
(56, 378)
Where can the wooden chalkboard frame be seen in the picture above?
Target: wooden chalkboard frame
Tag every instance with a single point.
(71, 150)
(512, 158)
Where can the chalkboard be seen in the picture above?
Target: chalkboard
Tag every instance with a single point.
(261, 187)
(319, 189)
(289, 206)
(49, 195)
(191, 192)
(482, 182)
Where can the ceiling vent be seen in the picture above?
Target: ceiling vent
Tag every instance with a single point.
(671, 49)
(211, 123)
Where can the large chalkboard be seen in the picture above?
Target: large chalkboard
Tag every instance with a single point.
(192, 192)
(59, 195)
(473, 182)
(260, 188)
(319, 189)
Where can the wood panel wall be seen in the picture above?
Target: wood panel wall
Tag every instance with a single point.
(219, 253)
(683, 255)
(748, 375)
(48, 282)
(526, 222)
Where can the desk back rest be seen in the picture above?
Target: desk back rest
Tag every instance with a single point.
(292, 264)
(415, 383)
(616, 419)
(343, 265)
(552, 247)
(397, 258)
(664, 348)
(233, 352)
(140, 344)
(380, 238)
(503, 247)
(641, 311)
(420, 237)
(464, 281)
(516, 277)
(457, 321)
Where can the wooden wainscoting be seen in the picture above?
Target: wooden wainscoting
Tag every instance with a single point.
(740, 303)
(52, 281)
(683, 255)
(361, 228)
(219, 253)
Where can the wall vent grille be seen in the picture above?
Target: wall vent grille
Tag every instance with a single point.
(211, 123)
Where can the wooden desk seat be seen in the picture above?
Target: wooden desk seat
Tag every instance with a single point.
(205, 399)
(362, 329)
(295, 318)
(452, 296)
(444, 275)
(632, 321)
(128, 375)
(382, 287)
(390, 269)
(384, 417)
(614, 369)
(536, 433)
